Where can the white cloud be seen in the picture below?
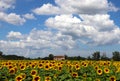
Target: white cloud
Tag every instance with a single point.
(37, 41)
(6, 4)
(107, 37)
(12, 18)
(46, 9)
(14, 35)
(99, 21)
(29, 16)
(76, 7)
(94, 28)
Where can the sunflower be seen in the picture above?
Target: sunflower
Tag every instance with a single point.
(22, 67)
(84, 75)
(10, 66)
(55, 75)
(36, 78)
(15, 68)
(82, 63)
(109, 63)
(18, 78)
(97, 79)
(51, 65)
(40, 65)
(77, 67)
(47, 78)
(106, 70)
(33, 72)
(23, 75)
(33, 65)
(70, 66)
(85, 64)
(99, 71)
(74, 74)
(96, 67)
(47, 67)
(112, 78)
(12, 71)
(59, 68)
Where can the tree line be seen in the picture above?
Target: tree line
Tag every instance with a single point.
(95, 56)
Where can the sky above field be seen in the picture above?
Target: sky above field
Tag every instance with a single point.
(37, 28)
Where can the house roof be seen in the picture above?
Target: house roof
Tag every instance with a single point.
(59, 56)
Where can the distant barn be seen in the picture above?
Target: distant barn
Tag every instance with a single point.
(59, 57)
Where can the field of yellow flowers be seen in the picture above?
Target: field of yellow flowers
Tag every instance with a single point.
(46, 70)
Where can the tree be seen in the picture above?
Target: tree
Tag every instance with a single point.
(104, 57)
(96, 55)
(1, 53)
(51, 56)
(66, 57)
(116, 56)
(89, 58)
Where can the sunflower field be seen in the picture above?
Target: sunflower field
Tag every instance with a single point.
(46, 70)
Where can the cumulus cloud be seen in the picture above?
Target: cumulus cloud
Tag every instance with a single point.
(46, 10)
(29, 16)
(6, 4)
(107, 37)
(76, 7)
(12, 18)
(96, 28)
(14, 35)
(36, 41)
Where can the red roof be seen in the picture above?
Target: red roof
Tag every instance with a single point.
(59, 56)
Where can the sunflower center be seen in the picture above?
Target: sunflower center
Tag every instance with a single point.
(11, 71)
(99, 71)
(22, 67)
(74, 75)
(33, 72)
(112, 79)
(19, 78)
(36, 78)
(46, 66)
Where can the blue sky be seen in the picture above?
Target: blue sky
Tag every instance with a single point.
(36, 28)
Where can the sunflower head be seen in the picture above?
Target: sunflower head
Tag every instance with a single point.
(12, 71)
(106, 70)
(99, 71)
(84, 75)
(40, 65)
(10, 66)
(47, 67)
(112, 78)
(36, 78)
(77, 67)
(23, 75)
(33, 72)
(97, 79)
(96, 67)
(85, 64)
(74, 74)
(22, 67)
(18, 78)
(47, 78)
(60, 68)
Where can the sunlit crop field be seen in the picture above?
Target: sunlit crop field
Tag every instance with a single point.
(41, 70)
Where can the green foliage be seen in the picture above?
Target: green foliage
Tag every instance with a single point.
(116, 56)
(96, 55)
